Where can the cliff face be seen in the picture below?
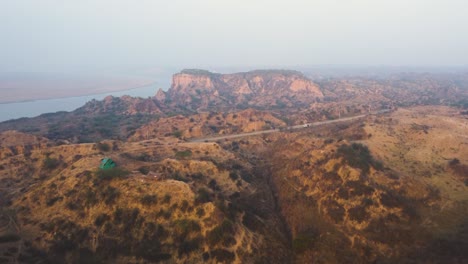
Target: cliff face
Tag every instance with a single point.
(199, 89)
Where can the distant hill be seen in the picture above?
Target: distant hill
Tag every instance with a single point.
(202, 90)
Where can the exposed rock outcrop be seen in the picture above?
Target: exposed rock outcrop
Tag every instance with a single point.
(201, 89)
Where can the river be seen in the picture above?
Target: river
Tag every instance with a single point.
(34, 108)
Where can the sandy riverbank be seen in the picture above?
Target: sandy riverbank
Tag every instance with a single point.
(29, 89)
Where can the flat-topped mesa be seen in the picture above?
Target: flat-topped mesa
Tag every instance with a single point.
(201, 88)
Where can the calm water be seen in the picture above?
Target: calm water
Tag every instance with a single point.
(35, 108)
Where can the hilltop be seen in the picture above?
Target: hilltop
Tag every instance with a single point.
(201, 90)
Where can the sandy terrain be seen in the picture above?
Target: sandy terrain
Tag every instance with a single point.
(19, 88)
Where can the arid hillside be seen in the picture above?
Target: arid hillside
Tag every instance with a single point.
(390, 188)
(387, 186)
(165, 200)
(207, 124)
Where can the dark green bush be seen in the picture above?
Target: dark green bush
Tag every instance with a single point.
(233, 175)
(391, 199)
(51, 201)
(358, 213)
(50, 163)
(149, 199)
(103, 146)
(188, 246)
(183, 154)
(358, 156)
(220, 233)
(90, 197)
(222, 255)
(144, 170)
(246, 176)
(357, 188)
(203, 196)
(111, 173)
(184, 227)
(166, 199)
(110, 194)
(177, 134)
(101, 219)
(200, 212)
(304, 240)
(184, 206)
(213, 185)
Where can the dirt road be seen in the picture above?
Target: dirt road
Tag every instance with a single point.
(344, 119)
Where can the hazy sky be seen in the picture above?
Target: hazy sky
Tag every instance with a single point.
(63, 35)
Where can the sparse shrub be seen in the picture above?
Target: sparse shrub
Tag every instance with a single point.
(144, 170)
(101, 219)
(213, 185)
(203, 196)
(197, 176)
(221, 232)
(118, 215)
(233, 175)
(367, 202)
(188, 246)
(251, 222)
(73, 206)
(184, 227)
(149, 199)
(176, 176)
(184, 206)
(166, 199)
(206, 256)
(222, 255)
(53, 200)
(103, 146)
(90, 197)
(50, 163)
(200, 212)
(358, 213)
(77, 157)
(391, 199)
(343, 193)
(177, 134)
(246, 177)
(183, 154)
(357, 188)
(143, 157)
(110, 194)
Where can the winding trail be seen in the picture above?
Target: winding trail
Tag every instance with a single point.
(314, 124)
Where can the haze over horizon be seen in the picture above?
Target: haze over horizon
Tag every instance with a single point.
(58, 36)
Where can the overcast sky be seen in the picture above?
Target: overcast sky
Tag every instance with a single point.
(69, 35)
